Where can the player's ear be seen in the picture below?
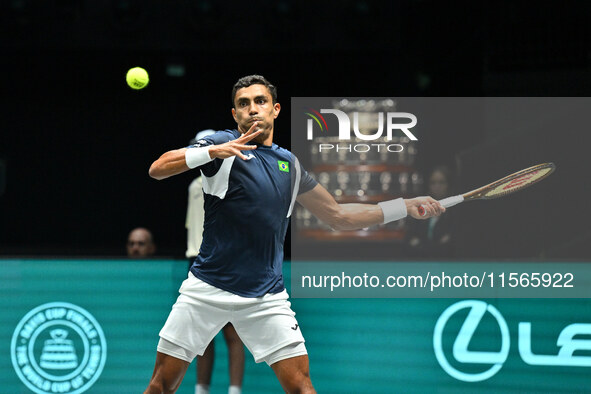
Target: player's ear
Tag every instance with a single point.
(276, 109)
(234, 115)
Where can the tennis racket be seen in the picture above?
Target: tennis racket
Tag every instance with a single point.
(507, 185)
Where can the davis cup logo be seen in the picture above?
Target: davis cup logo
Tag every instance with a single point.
(58, 348)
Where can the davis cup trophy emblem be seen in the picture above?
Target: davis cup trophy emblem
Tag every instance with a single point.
(58, 352)
(58, 348)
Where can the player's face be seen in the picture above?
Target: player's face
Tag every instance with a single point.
(255, 104)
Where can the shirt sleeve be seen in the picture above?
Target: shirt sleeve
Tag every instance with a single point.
(214, 139)
(307, 183)
(220, 137)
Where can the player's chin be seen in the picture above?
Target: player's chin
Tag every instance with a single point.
(245, 127)
(261, 126)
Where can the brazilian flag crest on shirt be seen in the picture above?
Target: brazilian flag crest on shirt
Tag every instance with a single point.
(283, 166)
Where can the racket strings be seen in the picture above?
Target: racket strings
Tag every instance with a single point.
(518, 183)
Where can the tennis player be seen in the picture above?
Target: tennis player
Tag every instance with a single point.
(250, 186)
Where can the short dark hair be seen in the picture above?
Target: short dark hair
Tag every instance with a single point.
(249, 80)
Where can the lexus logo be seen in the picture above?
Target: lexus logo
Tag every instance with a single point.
(460, 346)
(570, 343)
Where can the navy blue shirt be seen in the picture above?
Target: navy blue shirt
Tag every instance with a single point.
(247, 208)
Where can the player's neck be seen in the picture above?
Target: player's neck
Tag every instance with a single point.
(269, 140)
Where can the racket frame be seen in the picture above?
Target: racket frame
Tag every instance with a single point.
(480, 193)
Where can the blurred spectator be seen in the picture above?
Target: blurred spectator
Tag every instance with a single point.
(140, 243)
(194, 225)
(432, 238)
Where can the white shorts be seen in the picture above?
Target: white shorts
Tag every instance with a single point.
(266, 325)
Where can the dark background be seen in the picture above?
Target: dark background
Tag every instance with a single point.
(76, 142)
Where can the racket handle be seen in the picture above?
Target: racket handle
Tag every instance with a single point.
(446, 203)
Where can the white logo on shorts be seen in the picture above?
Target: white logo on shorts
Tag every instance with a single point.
(58, 348)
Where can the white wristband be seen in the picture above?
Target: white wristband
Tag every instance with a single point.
(393, 209)
(195, 157)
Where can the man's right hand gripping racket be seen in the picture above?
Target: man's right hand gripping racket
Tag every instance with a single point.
(507, 185)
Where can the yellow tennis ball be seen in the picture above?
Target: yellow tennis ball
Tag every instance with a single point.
(137, 78)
